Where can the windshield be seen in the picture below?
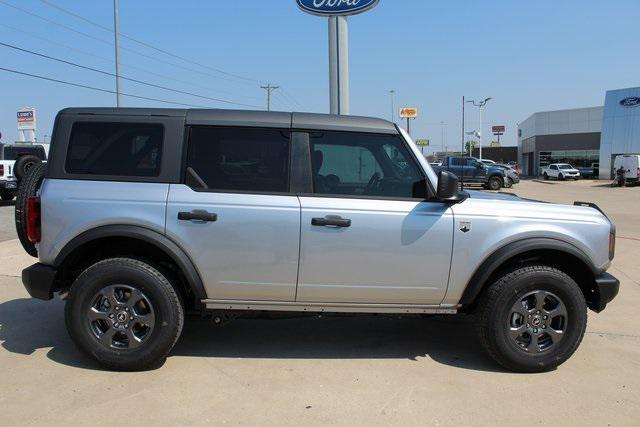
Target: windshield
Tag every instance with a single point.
(565, 167)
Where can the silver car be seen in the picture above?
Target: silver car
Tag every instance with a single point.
(142, 216)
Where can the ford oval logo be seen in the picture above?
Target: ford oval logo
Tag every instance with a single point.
(336, 7)
(632, 101)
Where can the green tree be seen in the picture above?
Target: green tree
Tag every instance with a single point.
(469, 146)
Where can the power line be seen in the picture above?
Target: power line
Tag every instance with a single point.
(50, 79)
(125, 78)
(148, 45)
(127, 65)
(50, 21)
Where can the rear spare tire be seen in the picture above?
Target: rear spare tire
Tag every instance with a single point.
(28, 187)
(23, 164)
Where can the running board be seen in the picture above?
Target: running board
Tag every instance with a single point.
(322, 307)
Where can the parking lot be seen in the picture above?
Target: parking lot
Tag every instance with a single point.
(327, 370)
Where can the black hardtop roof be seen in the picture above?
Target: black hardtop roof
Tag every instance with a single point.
(220, 117)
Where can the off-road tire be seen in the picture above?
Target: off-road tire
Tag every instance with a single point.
(24, 164)
(28, 187)
(494, 308)
(495, 183)
(144, 277)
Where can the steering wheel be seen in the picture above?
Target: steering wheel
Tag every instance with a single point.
(375, 179)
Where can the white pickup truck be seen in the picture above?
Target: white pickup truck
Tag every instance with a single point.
(15, 161)
(560, 171)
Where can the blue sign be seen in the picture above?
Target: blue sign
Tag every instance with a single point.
(336, 7)
(632, 101)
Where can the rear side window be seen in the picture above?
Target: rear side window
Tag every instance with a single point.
(238, 159)
(120, 149)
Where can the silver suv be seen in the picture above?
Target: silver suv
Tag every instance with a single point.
(144, 215)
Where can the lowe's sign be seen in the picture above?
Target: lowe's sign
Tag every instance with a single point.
(336, 7)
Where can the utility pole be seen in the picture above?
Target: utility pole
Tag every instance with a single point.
(269, 88)
(116, 30)
(393, 108)
(442, 124)
(480, 106)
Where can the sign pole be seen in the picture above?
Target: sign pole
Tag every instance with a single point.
(338, 65)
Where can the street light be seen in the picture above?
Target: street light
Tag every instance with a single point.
(391, 92)
(480, 106)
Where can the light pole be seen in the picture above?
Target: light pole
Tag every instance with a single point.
(393, 108)
(480, 106)
(116, 30)
(442, 125)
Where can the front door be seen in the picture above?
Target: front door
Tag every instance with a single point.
(367, 233)
(234, 215)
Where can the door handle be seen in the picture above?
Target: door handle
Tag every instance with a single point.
(331, 221)
(197, 215)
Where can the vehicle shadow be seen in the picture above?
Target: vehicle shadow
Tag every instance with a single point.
(27, 325)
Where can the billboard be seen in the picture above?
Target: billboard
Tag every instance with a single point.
(497, 129)
(408, 112)
(26, 119)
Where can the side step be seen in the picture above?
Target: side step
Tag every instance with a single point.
(321, 307)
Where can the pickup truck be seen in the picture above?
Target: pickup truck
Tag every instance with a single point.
(472, 171)
(560, 171)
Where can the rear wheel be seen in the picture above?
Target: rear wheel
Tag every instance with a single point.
(545, 176)
(124, 313)
(23, 164)
(495, 183)
(28, 187)
(532, 319)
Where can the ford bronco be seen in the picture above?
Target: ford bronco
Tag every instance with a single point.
(144, 215)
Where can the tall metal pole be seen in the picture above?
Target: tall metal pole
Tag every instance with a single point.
(462, 150)
(116, 30)
(269, 88)
(338, 65)
(442, 134)
(408, 127)
(481, 132)
(393, 108)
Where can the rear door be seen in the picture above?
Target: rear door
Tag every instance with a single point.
(234, 214)
(368, 234)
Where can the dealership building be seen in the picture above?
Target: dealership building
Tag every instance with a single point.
(587, 138)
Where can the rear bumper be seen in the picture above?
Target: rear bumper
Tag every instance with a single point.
(39, 280)
(606, 289)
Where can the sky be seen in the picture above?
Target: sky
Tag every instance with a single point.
(527, 56)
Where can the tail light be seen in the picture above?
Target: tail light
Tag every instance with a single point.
(34, 230)
(612, 243)
(1, 170)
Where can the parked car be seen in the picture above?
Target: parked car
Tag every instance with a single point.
(144, 215)
(15, 161)
(472, 171)
(630, 163)
(513, 177)
(560, 171)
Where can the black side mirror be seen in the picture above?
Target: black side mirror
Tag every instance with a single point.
(448, 186)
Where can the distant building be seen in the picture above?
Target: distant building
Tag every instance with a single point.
(498, 154)
(587, 138)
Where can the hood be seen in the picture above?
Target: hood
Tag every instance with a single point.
(510, 197)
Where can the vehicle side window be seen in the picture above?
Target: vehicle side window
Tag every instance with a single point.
(120, 149)
(238, 159)
(553, 167)
(458, 161)
(364, 165)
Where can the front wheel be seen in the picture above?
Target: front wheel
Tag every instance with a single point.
(532, 319)
(124, 313)
(561, 177)
(545, 176)
(495, 183)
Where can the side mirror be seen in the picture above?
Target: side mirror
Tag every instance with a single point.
(448, 186)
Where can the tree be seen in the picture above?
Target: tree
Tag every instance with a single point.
(469, 146)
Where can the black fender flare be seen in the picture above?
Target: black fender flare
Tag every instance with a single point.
(162, 242)
(494, 261)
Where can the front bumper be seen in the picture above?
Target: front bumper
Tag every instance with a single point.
(606, 289)
(39, 280)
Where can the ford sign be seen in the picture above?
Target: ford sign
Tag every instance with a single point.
(632, 101)
(336, 7)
